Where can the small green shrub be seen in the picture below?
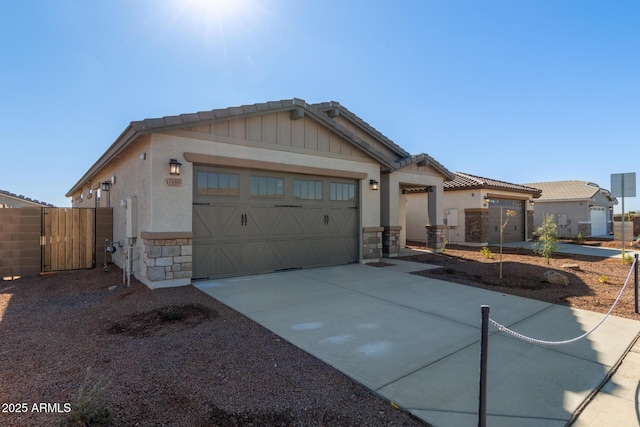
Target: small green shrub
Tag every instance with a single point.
(628, 259)
(91, 405)
(444, 246)
(579, 239)
(603, 279)
(486, 252)
(547, 243)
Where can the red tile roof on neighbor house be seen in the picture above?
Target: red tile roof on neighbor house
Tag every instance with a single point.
(465, 181)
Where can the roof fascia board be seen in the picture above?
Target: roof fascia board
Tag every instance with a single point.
(373, 132)
(504, 196)
(494, 188)
(564, 200)
(424, 159)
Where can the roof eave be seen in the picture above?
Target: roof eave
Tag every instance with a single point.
(119, 145)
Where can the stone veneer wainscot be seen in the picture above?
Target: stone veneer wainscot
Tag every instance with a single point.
(168, 255)
(371, 244)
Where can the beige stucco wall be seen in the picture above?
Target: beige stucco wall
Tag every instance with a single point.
(416, 206)
(461, 200)
(132, 178)
(472, 199)
(172, 207)
(576, 211)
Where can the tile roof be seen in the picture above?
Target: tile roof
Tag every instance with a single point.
(25, 199)
(567, 190)
(465, 181)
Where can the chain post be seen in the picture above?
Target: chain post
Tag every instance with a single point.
(484, 348)
(635, 279)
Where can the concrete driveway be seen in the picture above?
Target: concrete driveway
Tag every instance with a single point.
(415, 341)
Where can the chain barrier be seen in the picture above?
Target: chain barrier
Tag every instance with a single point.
(503, 328)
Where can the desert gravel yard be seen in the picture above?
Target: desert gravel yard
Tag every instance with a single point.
(593, 282)
(75, 352)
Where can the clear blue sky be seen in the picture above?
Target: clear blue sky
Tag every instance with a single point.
(516, 90)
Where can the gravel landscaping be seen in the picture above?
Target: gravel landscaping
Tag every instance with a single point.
(593, 282)
(166, 357)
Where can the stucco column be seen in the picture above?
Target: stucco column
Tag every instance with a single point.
(390, 215)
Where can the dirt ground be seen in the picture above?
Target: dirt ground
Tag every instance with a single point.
(594, 283)
(75, 353)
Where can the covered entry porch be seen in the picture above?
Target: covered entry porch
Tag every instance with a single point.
(409, 205)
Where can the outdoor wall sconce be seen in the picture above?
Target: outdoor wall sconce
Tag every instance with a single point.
(105, 186)
(374, 184)
(532, 203)
(174, 167)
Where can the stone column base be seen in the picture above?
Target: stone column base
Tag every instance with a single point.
(435, 237)
(167, 258)
(391, 241)
(371, 244)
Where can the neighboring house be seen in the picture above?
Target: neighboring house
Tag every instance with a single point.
(474, 207)
(577, 207)
(263, 187)
(10, 200)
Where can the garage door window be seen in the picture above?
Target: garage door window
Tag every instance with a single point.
(266, 186)
(307, 190)
(343, 192)
(217, 184)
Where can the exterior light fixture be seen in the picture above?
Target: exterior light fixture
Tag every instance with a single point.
(174, 167)
(374, 184)
(105, 186)
(532, 203)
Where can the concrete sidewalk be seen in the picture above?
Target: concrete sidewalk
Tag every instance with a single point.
(415, 341)
(570, 248)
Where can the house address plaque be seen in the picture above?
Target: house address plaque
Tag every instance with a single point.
(173, 182)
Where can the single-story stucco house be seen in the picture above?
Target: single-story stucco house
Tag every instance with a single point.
(576, 206)
(11, 200)
(473, 207)
(257, 188)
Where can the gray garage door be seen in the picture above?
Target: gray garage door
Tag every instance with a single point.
(515, 228)
(249, 221)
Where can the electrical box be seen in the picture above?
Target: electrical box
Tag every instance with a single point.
(563, 220)
(131, 217)
(451, 216)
